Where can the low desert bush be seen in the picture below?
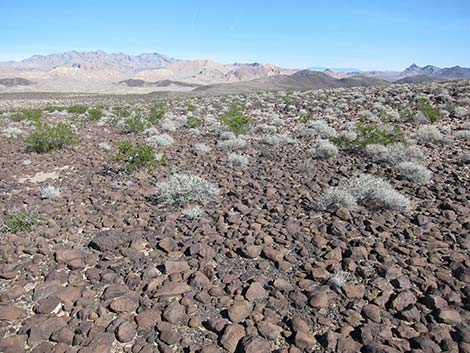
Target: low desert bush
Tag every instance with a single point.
(33, 115)
(233, 144)
(462, 134)
(136, 156)
(394, 153)
(319, 128)
(367, 190)
(324, 149)
(162, 140)
(373, 134)
(95, 114)
(157, 112)
(236, 120)
(46, 138)
(237, 160)
(194, 122)
(50, 192)
(183, 189)
(429, 134)
(23, 221)
(77, 109)
(424, 106)
(414, 172)
(278, 140)
(202, 148)
(265, 128)
(136, 122)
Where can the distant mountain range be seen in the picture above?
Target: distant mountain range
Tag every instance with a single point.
(99, 71)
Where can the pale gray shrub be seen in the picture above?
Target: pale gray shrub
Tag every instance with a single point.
(465, 125)
(460, 112)
(50, 192)
(184, 189)
(168, 125)
(320, 128)
(375, 193)
(104, 146)
(162, 140)
(237, 160)
(324, 149)
(202, 148)
(151, 131)
(265, 128)
(12, 131)
(341, 278)
(429, 134)
(194, 212)
(463, 135)
(464, 157)
(393, 153)
(227, 135)
(414, 172)
(278, 139)
(335, 198)
(233, 144)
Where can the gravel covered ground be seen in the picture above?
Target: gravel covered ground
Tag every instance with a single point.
(261, 265)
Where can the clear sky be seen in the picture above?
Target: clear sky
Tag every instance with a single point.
(297, 34)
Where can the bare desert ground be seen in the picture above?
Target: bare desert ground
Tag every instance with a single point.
(329, 220)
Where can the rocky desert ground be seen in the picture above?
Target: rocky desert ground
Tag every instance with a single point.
(330, 220)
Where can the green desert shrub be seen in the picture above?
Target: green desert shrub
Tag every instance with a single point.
(236, 120)
(55, 108)
(77, 109)
(23, 221)
(372, 134)
(194, 122)
(95, 114)
(136, 156)
(136, 122)
(424, 106)
(46, 137)
(157, 112)
(33, 115)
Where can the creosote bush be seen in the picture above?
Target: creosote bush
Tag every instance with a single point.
(95, 114)
(424, 106)
(157, 112)
(77, 109)
(23, 221)
(194, 122)
(136, 156)
(183, 189)
(46, 138)
(33, 115)
(136, 122)
(372, 134)
(236, 120)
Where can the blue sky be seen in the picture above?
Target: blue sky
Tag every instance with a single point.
(296, 34)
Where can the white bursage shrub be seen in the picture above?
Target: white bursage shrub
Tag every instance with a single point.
(335, 198)
(320, 128)
(460, 112)
(464, 157)
(278, 139)
(202, 148)
(341, 278)
(463, 135)
(227, 135)
(375, 193)
(237, 160)
(50, 192)
(168, 125)
(265, 128)
(162, 140)
(233, 144)
(151, 131)
(12, 132)
(324, 149)
(184, 189)
(192, 212)
(414, 172)
(429, 134)
(104, 146)
(465, 125)
(393, 153)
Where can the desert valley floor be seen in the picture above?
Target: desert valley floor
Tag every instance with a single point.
(333, 220)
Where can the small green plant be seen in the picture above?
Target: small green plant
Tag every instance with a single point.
(372, 134)
(427, 109)
(95, 114)
(54, 108)
(77, 109)
(136, 123)
(190, 107)
(136, 157)
(194, 122)
(307, 117)
(46, 138)
(33, 115)
(121, 112)
(236, 120)
(16, 222)
(157, 112)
